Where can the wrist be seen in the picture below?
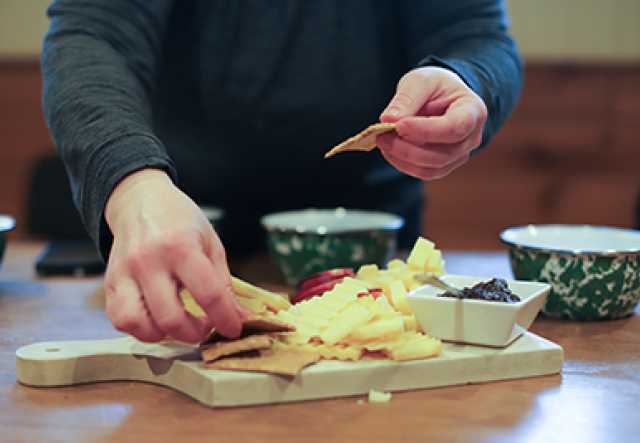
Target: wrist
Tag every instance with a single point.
(441, 72)
(132, 186)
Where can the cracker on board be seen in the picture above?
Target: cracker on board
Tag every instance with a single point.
(223, 348)
(363, 141)
(275, 361)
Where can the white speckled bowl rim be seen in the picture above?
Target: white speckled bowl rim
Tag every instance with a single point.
(7, 223)
(392, 222)
(576, 252)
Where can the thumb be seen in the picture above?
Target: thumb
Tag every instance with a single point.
(410, 96)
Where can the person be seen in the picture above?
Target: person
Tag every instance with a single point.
(243, 98)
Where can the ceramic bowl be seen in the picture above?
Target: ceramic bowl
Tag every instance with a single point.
(7, 223)
(477, 322)
(307, 241)
(594, 271)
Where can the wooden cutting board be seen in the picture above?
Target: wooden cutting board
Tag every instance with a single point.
(178, 367)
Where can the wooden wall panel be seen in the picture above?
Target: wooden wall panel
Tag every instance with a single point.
(23, 135)
(569, 154)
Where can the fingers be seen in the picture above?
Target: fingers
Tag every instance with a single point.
(430, 147)
(216, 253)
(161, 241)
(439, 121)
(459, 121)
(159, 291)
(128, 313)
(428, 156)
(143, 291)
(425, 173)
(411, 94)
(208, 279)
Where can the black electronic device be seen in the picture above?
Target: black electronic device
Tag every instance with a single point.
(69, 257)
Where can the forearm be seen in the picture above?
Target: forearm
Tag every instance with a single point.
(98, 69)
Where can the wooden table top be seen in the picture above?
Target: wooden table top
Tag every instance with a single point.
(595, 399)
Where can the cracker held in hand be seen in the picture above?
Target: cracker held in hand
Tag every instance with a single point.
(363, 141)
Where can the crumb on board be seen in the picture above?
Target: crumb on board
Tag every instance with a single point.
(379, 396)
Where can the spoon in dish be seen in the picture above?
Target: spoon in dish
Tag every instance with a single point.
(429, 278)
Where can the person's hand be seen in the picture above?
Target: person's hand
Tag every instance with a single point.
(162, 241)
(439, 121)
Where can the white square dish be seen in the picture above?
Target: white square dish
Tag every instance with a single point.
(477, 322)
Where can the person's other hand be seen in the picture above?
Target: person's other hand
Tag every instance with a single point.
(161, 242)
(439, 121)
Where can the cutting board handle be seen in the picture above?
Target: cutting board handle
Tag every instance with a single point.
(63, 363)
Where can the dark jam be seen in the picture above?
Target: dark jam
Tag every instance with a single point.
(494, 290)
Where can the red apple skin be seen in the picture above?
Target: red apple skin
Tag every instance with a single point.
(325, 276)
(376, 292)
(303, 294)
(373, 292)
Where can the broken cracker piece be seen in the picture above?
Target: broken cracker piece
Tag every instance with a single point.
(275, 361)
(265, 323)
(216, 350)
(254, 324)
(363, 141)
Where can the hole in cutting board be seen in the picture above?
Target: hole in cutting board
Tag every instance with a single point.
(52, 350)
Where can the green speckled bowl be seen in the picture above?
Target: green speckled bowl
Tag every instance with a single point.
(312, 240)
(7, 223)
(594, 271)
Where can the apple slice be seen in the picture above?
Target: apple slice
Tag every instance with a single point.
(373, 292)
(303, 294)
(324, 277)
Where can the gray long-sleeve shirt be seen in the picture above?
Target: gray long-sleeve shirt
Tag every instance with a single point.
(242, 97)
